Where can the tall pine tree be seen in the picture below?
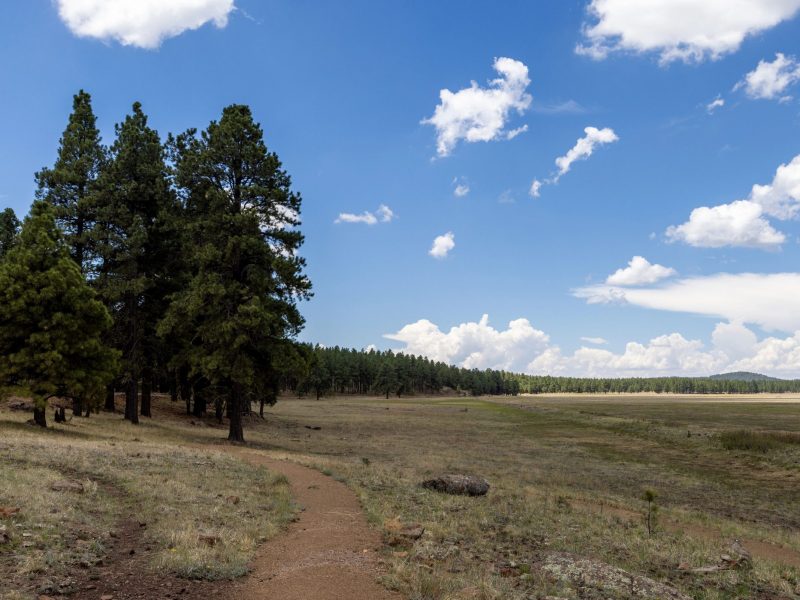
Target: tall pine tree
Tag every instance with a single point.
(51, 324)
(70, 184)
(136, 242)
(241, 301)
(9, 226)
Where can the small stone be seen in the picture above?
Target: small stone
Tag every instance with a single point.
(66, 485)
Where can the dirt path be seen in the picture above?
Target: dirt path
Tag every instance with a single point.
(330, 553)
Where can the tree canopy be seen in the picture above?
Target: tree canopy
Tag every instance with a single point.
(51, 324)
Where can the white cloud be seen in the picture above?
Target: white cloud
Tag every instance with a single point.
(365, 217)
(739, 223)
(142, 23)
(743, 222)
(474, 345)
(442, 245)
(384, 214)
(775, 356)
(639, 271)
(515, 132)
(536, 187)
(664, 355)
(734, 339)
(686, 30)
(523, 348)
(477, 114)
(771, 301)
(769, 80)
(716, 103)
(584, 148)
(461, 188)
(781, 198)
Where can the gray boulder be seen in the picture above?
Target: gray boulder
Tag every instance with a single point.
(465, 485)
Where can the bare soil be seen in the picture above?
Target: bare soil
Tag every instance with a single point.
(329, 553)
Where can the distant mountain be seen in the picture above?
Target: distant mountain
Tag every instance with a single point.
(743, 376)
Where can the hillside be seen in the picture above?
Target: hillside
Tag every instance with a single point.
(743, 376)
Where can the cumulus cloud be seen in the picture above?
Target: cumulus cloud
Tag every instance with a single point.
(678, 29)
(771, 301)
(521, 347)
(743, 222)
(775, 356)
(384, 214)
(781, 198)
(478, 114)
(769, 80)
(739, 223)
(716, 103)
(141, 23)
(639, 271)
(442, 245)
(474, 344)
(584, 148)
(663, 355)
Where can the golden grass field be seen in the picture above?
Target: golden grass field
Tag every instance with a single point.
(567, 475)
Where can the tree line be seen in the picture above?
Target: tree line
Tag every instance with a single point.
(348, 371)
(154, 264)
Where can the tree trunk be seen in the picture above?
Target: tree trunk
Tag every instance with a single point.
(88, 409)
(173, 388)
(39, 416)
(218, 410)
(77, 407)
(185, 388)
(147, 397)
(132, 401)
(199, 400)
(109, 405)
(236, 433)
(261, 408)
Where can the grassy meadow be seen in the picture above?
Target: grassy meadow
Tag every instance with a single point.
(568, 476)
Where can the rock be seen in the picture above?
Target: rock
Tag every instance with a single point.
(66, 485)
(4, 538)
(610, 580)
(466, 485)
(402, 534)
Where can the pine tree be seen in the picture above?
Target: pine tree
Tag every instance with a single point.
(386, 380)
(136, 242)
(9, 227)
(69, 186)
(51, 324)
(241, 302)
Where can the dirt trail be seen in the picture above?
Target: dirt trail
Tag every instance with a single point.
(330, 553)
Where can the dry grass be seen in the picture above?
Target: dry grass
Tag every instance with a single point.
(148, 472)
(565, 478)
(567, 475)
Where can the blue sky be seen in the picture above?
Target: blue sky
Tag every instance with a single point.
(343, 91)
